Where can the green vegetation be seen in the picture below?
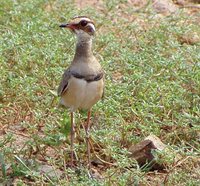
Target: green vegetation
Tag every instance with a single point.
(152, 87)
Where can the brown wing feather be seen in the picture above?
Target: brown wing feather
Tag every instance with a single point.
(64, 82)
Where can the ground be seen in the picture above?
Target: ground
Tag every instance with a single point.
(150, 53)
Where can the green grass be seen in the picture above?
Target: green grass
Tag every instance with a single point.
(152, 87)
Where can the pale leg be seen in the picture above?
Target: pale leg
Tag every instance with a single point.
(72, 139)
(87, 130)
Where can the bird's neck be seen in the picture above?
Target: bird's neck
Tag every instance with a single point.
(83, 49)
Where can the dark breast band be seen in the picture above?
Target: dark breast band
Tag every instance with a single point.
(88, 78)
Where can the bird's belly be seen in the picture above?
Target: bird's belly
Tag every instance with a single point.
(82, 94)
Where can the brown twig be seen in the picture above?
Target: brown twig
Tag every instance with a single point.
(18, 133)
(103, 161)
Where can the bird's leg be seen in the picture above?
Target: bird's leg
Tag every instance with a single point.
(87, 128)
(72, 139)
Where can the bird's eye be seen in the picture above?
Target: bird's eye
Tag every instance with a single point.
(83, 23)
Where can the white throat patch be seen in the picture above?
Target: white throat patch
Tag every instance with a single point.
(83, 36)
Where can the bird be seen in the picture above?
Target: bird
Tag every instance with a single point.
(82, 83)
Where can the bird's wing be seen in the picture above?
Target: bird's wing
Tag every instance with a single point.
(64, 82)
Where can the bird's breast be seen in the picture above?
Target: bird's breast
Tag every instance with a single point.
(82, 94)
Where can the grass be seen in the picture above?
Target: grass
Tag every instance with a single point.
(152, 87)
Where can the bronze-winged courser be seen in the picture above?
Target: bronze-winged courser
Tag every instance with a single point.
(82, 83)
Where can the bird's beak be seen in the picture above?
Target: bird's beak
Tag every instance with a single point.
(64, 25)
(68, 25)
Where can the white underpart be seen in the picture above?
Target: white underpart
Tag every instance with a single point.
(81, 94)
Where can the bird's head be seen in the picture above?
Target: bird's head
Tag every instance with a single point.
(82, 26)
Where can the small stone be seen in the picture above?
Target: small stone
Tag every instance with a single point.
(142, 152)
(164, 6)
(180, 2)
(96, 174)
(191, 38)
(50, 171)
(157, 143)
